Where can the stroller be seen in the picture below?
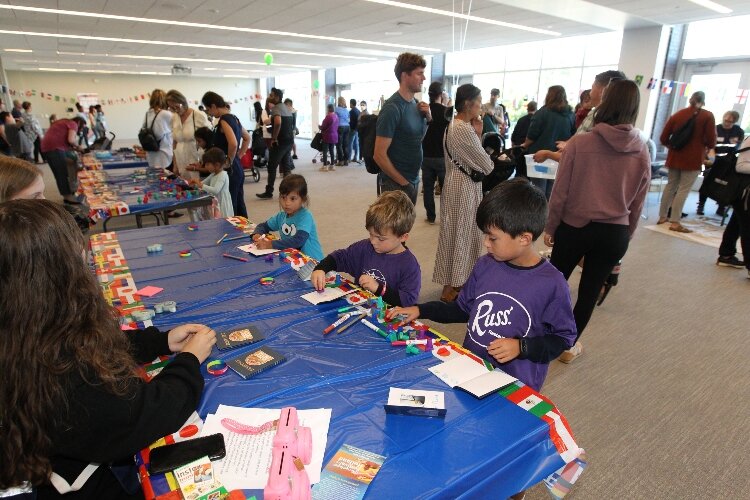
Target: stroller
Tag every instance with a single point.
(258, 146)
(503, 159)
(248, 165)
(317, 145)
(103, 143)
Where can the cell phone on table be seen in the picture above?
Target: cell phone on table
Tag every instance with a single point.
(168, 457)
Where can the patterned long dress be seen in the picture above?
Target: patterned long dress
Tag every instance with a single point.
(460, 242)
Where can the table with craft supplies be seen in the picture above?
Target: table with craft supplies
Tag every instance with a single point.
(107, 160)
(490, 447)
(137, 191)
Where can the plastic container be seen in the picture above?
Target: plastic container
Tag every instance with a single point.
(546, 168)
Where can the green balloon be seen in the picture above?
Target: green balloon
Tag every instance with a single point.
(268, 58)
(316, 84)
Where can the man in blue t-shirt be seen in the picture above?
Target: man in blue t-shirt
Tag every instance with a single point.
(401, 125)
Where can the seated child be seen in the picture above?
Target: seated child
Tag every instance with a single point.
(294, 222)
(217, 182)
(85, 404)
(516, 303)
(381, 264)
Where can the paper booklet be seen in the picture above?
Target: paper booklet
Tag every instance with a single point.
(248, 456)
(243, 335)
(466, 374)
(251, 248)
(414, 402)
(250, 364)
(197, 480)
(348, 474)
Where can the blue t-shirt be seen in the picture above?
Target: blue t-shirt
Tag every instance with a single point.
(288, 227)
(399, 271)
(343, 114)
(401, 121)
(507, 301)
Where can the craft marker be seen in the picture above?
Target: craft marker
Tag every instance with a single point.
(229, 256)
(374, 328)
(222, 238)
(358, 318)
(347, 308)
(409, 342)
(337, 323)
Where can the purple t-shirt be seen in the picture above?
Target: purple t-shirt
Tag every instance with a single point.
(507, 301)
(398, 271)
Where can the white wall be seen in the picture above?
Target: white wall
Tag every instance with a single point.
(125, 119)
(643, 53)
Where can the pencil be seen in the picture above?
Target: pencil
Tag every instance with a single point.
(238, 237)
(222, 238)
(230, 256)
(361, 316)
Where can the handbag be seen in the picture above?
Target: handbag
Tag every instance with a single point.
(317, 142)
(474, 175)
(146, 136)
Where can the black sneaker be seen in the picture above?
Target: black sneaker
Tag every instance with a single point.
(294, 157)
(264, 196)
(730, 262)
(700, 211)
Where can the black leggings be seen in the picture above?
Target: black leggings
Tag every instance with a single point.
(59, 166)
(601, 246)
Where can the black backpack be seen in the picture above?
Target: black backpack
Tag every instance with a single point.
(681, 137)
(726, 185)
(367, 128)
(146, 136)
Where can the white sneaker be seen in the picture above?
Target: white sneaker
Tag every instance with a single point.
(331, 168)
(323, 169)
(572, 353)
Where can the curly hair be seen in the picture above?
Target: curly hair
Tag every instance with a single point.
(408, 62)
(55, 323)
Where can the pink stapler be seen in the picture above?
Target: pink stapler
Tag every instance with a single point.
(292, 450)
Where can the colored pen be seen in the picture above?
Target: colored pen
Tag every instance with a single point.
(347, 308)
(222, 238)
(337, 323)
(230, 256)
(374, 328)
(361, 316)
(410, 342)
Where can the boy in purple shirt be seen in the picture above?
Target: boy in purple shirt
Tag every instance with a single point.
(516, 304)
(381, 264)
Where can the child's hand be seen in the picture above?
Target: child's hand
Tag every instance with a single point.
(318, 279)
(179, 335)
(408, 314)
(263, 244)
(256, 237)
(200, 344)
(504, 350)
(368, 283)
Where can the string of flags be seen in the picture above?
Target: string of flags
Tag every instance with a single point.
(108, 101)
(681, 89)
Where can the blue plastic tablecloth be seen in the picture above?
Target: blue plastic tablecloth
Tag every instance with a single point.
(487, 448)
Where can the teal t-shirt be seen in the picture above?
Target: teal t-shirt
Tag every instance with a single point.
(288, 226)
(401, 121)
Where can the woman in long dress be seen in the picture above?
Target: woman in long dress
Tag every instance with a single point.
(185, 121)
(460, 242)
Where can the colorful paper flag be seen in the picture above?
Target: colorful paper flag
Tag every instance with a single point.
(667, 88)
(652, 83)
(742, 96)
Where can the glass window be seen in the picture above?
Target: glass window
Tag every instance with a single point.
(488, 81)
(720, 89)
(520, 88)
(563, 53)
(297, 87)
(707, 39)
(603, 49)
(569, 78)
(469, 61)
(524, 56)
(589, 73)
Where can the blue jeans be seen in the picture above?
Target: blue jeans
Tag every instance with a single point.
(432, 168)
(354, 146)
(385, 183)
(342, 148)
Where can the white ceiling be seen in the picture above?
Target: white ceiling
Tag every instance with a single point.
(362, 20)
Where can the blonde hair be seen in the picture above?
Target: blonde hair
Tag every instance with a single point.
(392, 210)
(15, 176)
(158, 99)
(341, 101)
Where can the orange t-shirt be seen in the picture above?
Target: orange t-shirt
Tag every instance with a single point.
(704, 137)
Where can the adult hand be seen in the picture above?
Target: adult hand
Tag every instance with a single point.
(424, 108)
(408, 314)
(200, 344)
(368, 283)
(541, 155)
(561, 145)
(179, 335)
(504, 350)
(318, 279)
(549, 240)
